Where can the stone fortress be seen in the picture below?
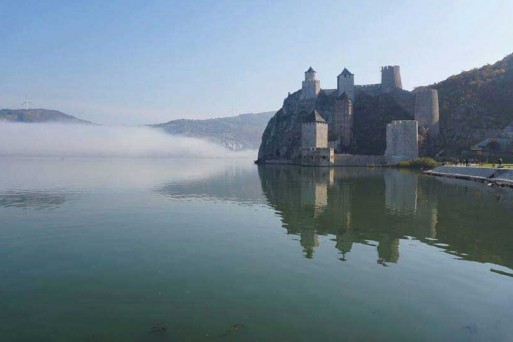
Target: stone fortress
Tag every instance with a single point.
(324, 135)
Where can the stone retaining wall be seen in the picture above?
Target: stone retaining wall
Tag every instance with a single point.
(358, 160)
(498, 176)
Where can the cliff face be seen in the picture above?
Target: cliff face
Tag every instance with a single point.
(282, 137)
(475, 104)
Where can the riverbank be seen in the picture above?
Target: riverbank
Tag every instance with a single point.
(494, 176)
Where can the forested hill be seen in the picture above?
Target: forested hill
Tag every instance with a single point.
(475, 104)
(237, 132)
(38, 115)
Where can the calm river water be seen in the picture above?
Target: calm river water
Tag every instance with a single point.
(180, 250)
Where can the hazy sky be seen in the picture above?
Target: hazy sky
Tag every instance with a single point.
(132, 62)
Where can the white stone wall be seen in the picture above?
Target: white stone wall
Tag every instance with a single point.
(314, 135)
(321, 133)
(402, 140)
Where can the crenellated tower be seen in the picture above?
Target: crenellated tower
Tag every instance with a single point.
(391, 78)
(311, 85)
(345, 84)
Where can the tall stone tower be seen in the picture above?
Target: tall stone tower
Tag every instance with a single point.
(342, 128)
(311, 85)
(345, 83)
(314, 131)
(427, 111)
(391, 78)
(402, 140)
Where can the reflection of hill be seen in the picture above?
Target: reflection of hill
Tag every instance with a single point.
(381, 207)
(234, 183)
(31, 199)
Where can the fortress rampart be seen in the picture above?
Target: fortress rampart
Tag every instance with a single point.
(369, 89)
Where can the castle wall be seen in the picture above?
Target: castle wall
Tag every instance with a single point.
(402, 140)
(369, 89)
(317, 157)
(427, 111)
(391, 78)
(358, 160)
(314, 135)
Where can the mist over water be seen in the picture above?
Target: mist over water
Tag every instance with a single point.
(69, 140)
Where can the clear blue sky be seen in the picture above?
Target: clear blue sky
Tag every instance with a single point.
(132, 62)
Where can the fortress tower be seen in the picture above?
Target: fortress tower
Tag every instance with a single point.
(314, 131)
(314, 142)
(427, 111)
(390, 78)
(311, 85)
(345, 83)
(402, 140)
(342, 128)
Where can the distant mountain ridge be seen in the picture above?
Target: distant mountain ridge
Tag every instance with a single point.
(239, 132)
(236, 133)
(38, 116)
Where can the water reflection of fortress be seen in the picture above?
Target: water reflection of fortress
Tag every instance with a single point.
(378, 208)
(335, 201)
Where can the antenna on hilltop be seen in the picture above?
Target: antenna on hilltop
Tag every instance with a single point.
(26, 103)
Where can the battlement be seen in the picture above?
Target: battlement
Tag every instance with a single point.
(389, 67)
(370, 89)
(367, 86)
(391, 78)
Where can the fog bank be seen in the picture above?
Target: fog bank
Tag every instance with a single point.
(68, 140)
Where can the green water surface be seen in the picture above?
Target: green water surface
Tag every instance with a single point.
(186, 250)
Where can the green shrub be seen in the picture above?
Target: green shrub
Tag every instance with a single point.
(421, 164)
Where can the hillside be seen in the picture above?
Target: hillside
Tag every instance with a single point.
(38, 115)
(237, 133)
(475, 104)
